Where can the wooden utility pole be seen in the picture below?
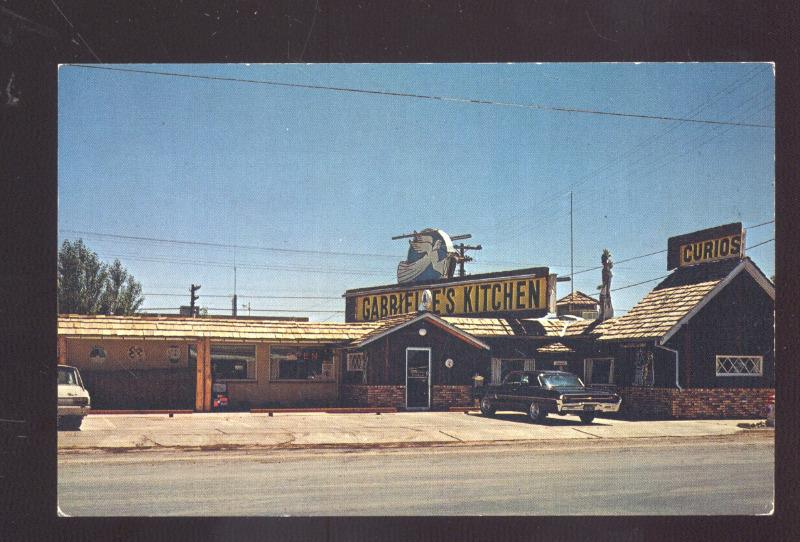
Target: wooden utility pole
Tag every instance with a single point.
(462, 258)
(192, 308)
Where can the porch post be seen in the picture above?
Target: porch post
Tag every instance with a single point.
(62, 350)
(207, 375)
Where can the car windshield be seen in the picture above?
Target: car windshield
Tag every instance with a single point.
(68, 376)
(560, 380)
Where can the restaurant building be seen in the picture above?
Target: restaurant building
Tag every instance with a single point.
(700, 344)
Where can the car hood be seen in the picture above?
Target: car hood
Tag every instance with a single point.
(578, 389)
(69, 390)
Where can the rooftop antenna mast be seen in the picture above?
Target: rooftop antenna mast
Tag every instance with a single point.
(571, 258)
(235, 299)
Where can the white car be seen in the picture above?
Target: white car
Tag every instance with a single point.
(73, 398)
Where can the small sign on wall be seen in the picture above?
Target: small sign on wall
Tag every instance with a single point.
(174, 354)
(97, 355)
(356, 361)
(136, 353)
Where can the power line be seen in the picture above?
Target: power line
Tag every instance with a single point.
(617, 160)
(638, 283)
(162, 294)
(691, 146)
(761, 243)
(423, 96)
(228, 309)
(221, 245)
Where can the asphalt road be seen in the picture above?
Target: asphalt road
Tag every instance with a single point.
(720, 475)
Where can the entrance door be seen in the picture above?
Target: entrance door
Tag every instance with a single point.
(418, 377)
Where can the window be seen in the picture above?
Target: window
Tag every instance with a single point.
(513, 378)
(560, 380)
(356, 361)
(501, 367)
(69, 376)
(301, 363)
(740, 365)
(233, 362)
(598, 371)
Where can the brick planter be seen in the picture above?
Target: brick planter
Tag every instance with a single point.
(373, 396)
(694, 403)
(444, 397)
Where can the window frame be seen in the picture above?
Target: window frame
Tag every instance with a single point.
(528, 364)
(587, 373)
(274, 376)
(737, 356)
(255, 362)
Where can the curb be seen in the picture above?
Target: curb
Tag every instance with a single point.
(336, 410)
(170, 412)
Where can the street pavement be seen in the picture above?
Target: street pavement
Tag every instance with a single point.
(731, 474)
(218, 431)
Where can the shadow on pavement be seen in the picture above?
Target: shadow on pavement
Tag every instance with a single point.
(550, 420)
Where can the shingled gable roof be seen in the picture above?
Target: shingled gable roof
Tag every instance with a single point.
(390, 325)
(677, 299)
(577, 298)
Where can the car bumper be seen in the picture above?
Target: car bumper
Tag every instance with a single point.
(73, 410)
(587, 406)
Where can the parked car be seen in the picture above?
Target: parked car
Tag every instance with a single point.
(73, 398)
(542, 392)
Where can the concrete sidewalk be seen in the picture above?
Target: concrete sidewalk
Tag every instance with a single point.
(246, 430)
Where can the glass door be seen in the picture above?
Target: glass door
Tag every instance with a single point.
(418, 378)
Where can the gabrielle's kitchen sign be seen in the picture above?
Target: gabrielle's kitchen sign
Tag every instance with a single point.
(703, 246)
(484, 295)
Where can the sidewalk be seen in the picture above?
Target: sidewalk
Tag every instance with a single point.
(305, 430)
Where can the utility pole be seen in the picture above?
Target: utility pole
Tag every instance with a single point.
(192, 309)
(246, 306)
(462, 258)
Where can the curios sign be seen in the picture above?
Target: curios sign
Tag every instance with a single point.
(709, 245)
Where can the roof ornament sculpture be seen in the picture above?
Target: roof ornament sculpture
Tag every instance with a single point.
(431, 256)
(606, 308)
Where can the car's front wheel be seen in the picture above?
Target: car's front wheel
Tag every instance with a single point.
(486, 407)
(587, 418)
(71, 423)
(536, 413)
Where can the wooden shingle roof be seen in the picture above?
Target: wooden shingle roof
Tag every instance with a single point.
(577, 298)
(673, 299)
(176, 327)
(488, 327)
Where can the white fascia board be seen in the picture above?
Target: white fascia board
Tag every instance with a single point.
(427, 315)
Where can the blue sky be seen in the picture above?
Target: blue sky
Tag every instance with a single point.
(305, 169)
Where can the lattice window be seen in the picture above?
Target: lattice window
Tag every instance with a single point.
(740, 365)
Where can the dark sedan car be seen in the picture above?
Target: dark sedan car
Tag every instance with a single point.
(541, 392)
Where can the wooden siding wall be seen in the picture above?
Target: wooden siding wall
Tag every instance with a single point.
(738, 321)
(466, 358)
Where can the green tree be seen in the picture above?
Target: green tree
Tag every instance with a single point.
(123, 294)
(86, 285)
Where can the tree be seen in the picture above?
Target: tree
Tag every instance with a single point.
(123, 294)
(86, 285)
